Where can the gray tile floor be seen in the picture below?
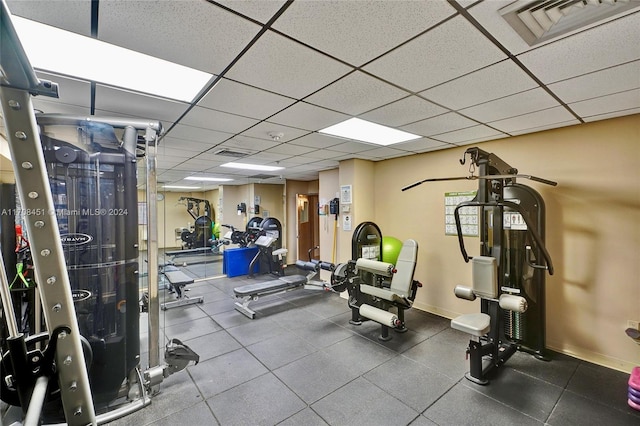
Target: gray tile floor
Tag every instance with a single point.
(300, 362)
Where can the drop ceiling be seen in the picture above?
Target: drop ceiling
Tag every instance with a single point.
(453, 72)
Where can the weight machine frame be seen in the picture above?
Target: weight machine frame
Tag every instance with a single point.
(18, 82)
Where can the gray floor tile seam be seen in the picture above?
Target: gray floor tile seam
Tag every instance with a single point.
(593, 400)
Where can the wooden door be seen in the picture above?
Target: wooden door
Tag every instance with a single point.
(308, 225)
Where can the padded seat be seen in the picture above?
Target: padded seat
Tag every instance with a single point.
(272, 286)
(383, 293)
(477, 324)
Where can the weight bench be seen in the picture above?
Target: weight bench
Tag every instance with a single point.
(400, 294)
(486, 327)
(178, 281)
(252, 292)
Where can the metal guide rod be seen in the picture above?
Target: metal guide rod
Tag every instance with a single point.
(48, 259)
(488, 177)
(151, 139)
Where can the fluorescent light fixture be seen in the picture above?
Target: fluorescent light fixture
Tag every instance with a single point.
(366, 131)
(63, 52)
(180, 187)
(246, 166)
(207, 179)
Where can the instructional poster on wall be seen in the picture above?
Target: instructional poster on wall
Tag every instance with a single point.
(469, 220)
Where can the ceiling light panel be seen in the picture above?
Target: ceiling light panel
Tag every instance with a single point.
(444, 53)
(355, 94)
(208, 179)
(356, 25)
(196, 34)
(106, 63)
(247, 166)
(366, 131)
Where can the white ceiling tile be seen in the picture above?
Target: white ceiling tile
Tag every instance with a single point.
(440, 124)
(138, 105)
(287, 148)
(352, 147)
(283, 66)
(355, 94)
(310, 117)
(360, 30)
(404, 111)
(72, 15)
(498, 80)
(245, 143)
(324, 154)
(444, 53)
(259, 10)
(197, 134)
(605, 82)
(612, 115)
(420, 145)
(607, 104)
(174, 152)
(216, 120)
(184, 145)
(546, 127)
(510, 106)
(265, 130)
(266, 158)
(316, 140)
(601, 47)
(534, 120)
(386, 152)
(240, 99)
(475, 133)
(196, 34)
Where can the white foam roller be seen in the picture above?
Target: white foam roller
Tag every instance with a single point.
(378, 315)
(375, 266)
(464, 292)
(513, 303)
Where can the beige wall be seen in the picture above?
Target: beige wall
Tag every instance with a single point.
(593, 230)
(271, 200)
(6, 167)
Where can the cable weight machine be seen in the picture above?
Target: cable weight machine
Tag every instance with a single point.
(512, 248)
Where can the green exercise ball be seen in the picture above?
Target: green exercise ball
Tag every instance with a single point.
(391, 247)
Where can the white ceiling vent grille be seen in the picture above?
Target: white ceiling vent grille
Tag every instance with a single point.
(230, 153)
(540, 20)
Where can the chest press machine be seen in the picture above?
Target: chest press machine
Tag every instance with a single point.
(509, 274)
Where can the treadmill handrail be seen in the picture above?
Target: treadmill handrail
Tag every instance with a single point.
(511, 205)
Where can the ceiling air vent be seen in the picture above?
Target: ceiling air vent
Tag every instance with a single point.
(230, 153)
(262, 177)
(541, 20)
